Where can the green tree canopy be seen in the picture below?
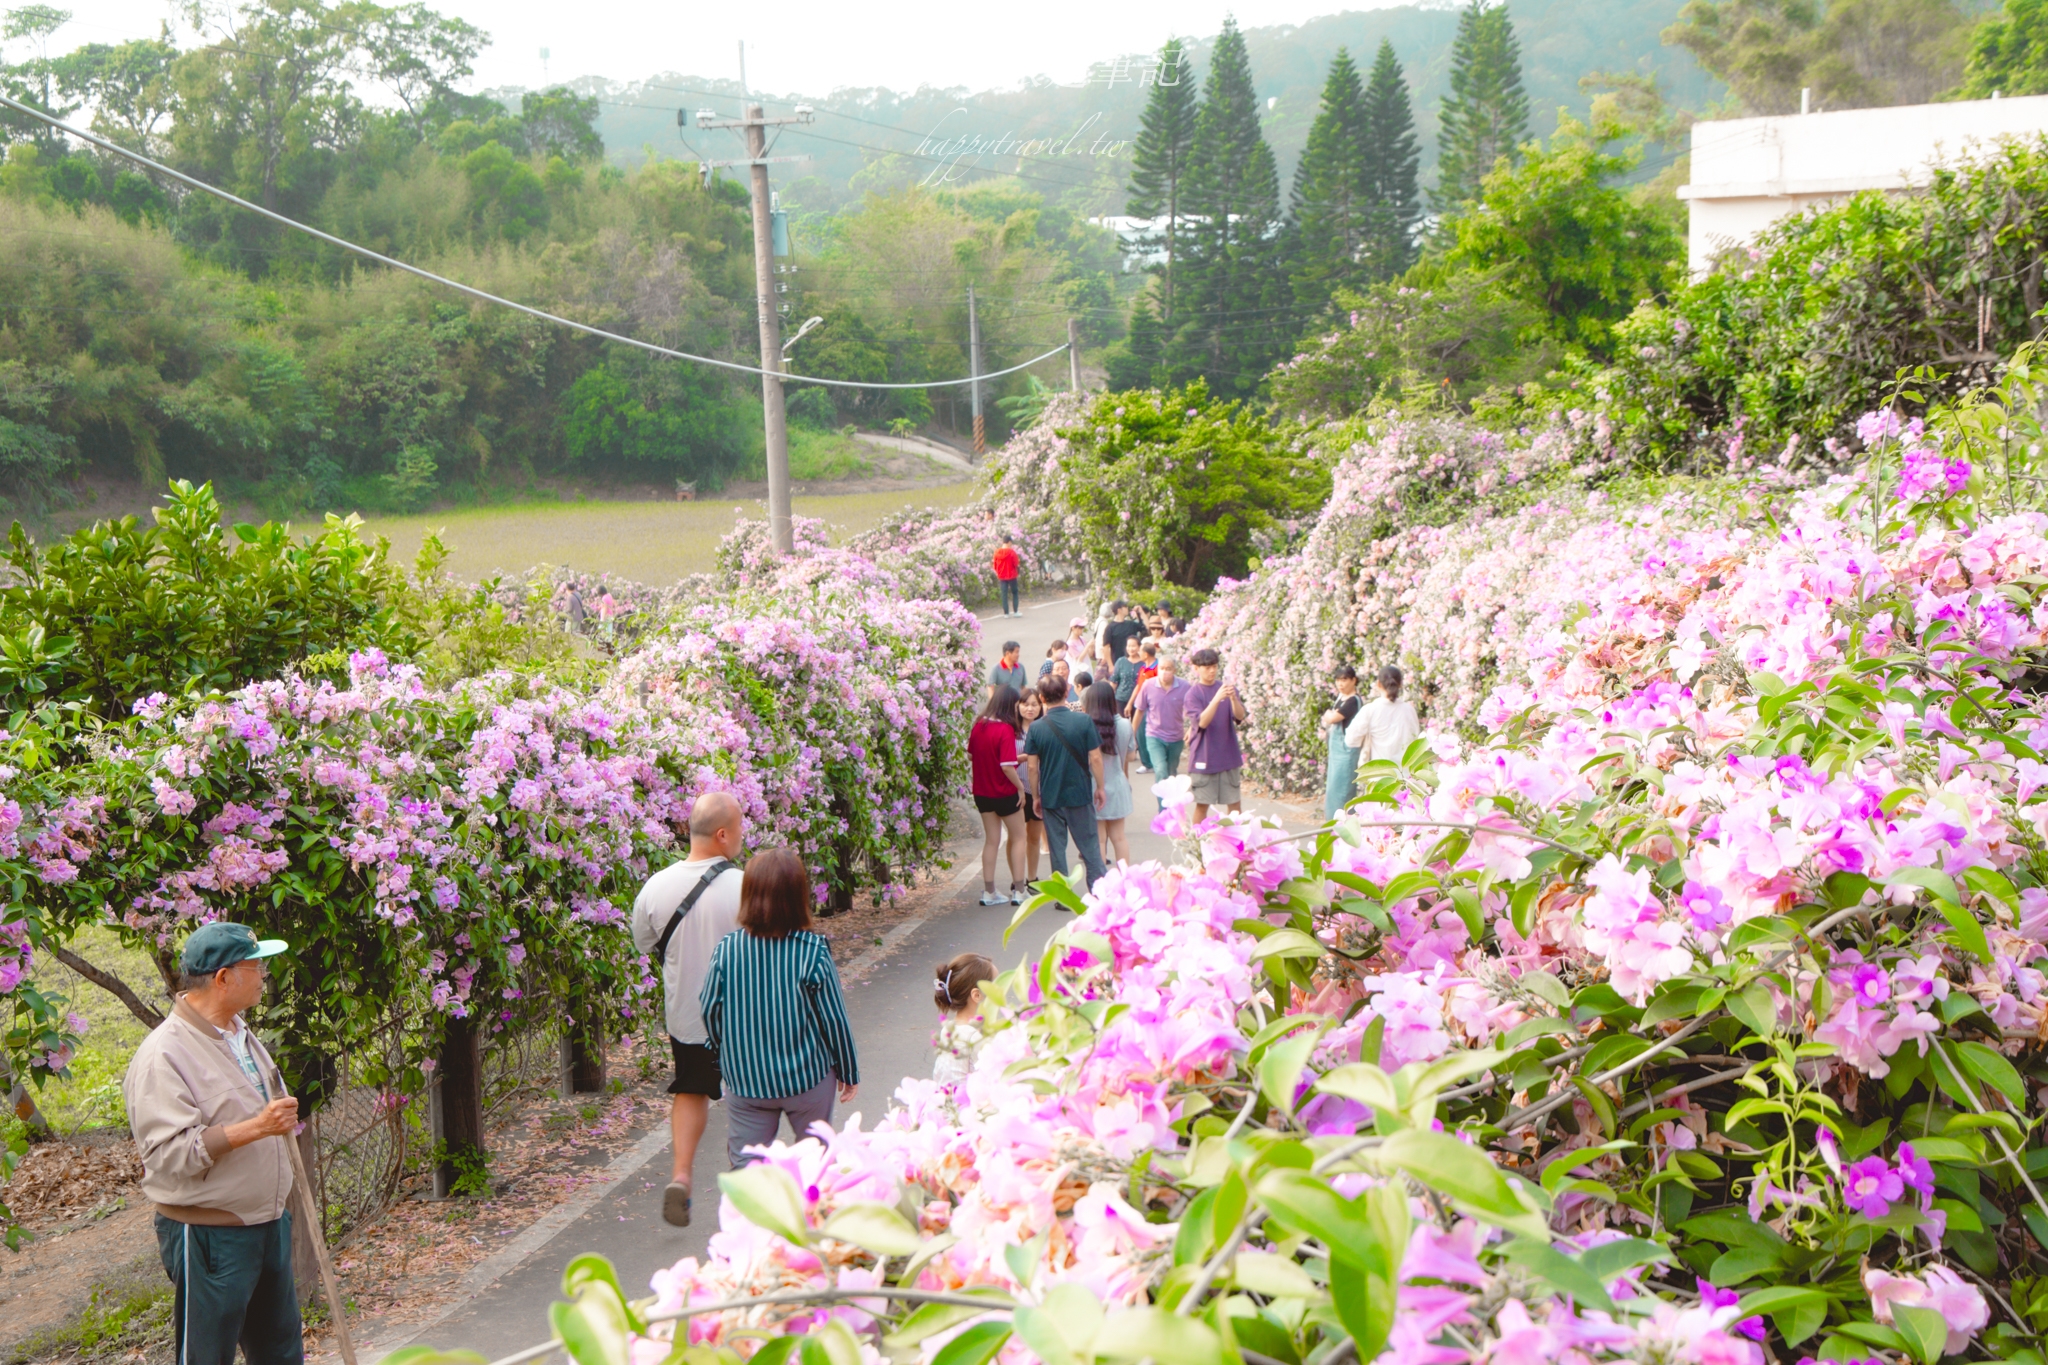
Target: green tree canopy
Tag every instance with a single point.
(1233, 320)
(1333, 194)
(2009, 53)
(1487, 116)
(1560, 231)
(1159, 156)
(1171, 487)
(1392, 156)
(1849, 54)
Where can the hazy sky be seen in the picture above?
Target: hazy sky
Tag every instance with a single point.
(807, 46)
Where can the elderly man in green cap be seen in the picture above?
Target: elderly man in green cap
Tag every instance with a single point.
(211, 1119)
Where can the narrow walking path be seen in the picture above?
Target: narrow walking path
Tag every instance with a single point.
(893, 1019)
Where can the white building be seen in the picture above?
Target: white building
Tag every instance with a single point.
(1749, 172)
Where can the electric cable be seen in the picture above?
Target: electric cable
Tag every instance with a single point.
(472, 291)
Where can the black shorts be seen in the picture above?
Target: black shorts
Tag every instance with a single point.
(997, 805)
(1031, 815)
(696, 1070)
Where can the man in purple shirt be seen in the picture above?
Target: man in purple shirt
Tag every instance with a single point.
(1164, 726)
(1212, 714)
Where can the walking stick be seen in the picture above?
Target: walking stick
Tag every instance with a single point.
(312, 1216)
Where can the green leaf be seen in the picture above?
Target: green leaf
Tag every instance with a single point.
(766, 1197)
(873, 1227)
(1993, 1069)
(1306, 1203)
(975, 1346)
(590, 1332)
(1564, 1273)
(1450, 1167)
(1365, 1304)
(1754, 1007)
(431, 1355)
(1289, 942)
(591, 1273)
(1924, 1331)
(1363, 1082)
(1280, 1069)
(1148, 1330)
(932, 1318)
(1276, 1277)
(1778, 1298)
(1061, 1331)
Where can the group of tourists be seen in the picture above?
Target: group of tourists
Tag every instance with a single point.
(1051, 758)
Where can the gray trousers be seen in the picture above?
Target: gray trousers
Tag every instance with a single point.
(1079, 821)
(750, 1122)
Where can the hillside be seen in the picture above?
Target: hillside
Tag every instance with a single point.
(870, 138)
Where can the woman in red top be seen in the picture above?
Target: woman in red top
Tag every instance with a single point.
(998, 792)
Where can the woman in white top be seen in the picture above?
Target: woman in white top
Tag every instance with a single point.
(1385, 726)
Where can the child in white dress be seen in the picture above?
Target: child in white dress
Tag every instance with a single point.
(956, 990)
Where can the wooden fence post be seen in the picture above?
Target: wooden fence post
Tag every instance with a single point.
(305, 1260)
(457, 1106)
(583, 1056)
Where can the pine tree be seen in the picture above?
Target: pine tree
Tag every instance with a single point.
(1235, 294)
(1487, 115)
(1392, 155)
(1159, 157)
(1332, 197)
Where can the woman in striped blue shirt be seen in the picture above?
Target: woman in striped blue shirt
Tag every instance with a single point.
(773, 1008)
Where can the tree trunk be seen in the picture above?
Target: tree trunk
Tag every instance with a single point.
(110, 983)
(583, 1056)
(458, 1106)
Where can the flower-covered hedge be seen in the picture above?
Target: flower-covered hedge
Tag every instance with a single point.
(1693, 1013)
(1460, 556)
(471, 851)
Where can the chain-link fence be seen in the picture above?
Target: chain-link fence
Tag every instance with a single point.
(369, 1138)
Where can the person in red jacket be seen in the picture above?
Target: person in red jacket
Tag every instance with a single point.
(1006, 575)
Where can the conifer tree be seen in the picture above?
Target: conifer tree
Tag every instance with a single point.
(1487, 114)
(1333, 199)
(1235, 294)
(1159, 157)
(1392, 156)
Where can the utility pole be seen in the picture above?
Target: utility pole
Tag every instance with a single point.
(755, 124)
(974, 370)
(1073, 356)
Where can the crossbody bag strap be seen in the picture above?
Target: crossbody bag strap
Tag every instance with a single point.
(710, 875)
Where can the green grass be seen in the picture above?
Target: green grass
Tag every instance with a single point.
(127, 1317)
(92, 1097)
(652, 542)
(821, 456)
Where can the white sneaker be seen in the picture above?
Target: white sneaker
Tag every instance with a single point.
(1016, 895)
(991, 898)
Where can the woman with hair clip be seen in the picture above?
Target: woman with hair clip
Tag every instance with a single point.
(1119, 743)
(775, 1013)
(998, 792)
(956, 990)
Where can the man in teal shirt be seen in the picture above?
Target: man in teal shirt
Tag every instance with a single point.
(1065, 754)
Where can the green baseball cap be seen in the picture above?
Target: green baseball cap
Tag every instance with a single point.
(218, 945)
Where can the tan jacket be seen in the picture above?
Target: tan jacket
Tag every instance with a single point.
(184, 1086)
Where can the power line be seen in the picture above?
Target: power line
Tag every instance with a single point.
(471, 290)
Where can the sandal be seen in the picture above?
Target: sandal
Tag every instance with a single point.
(675, 1204)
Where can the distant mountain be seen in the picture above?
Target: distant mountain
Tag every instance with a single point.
(1059, 139)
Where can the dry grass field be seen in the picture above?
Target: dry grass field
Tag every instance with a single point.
(651, 542)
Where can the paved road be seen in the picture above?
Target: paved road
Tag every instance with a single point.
(892, 1019)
